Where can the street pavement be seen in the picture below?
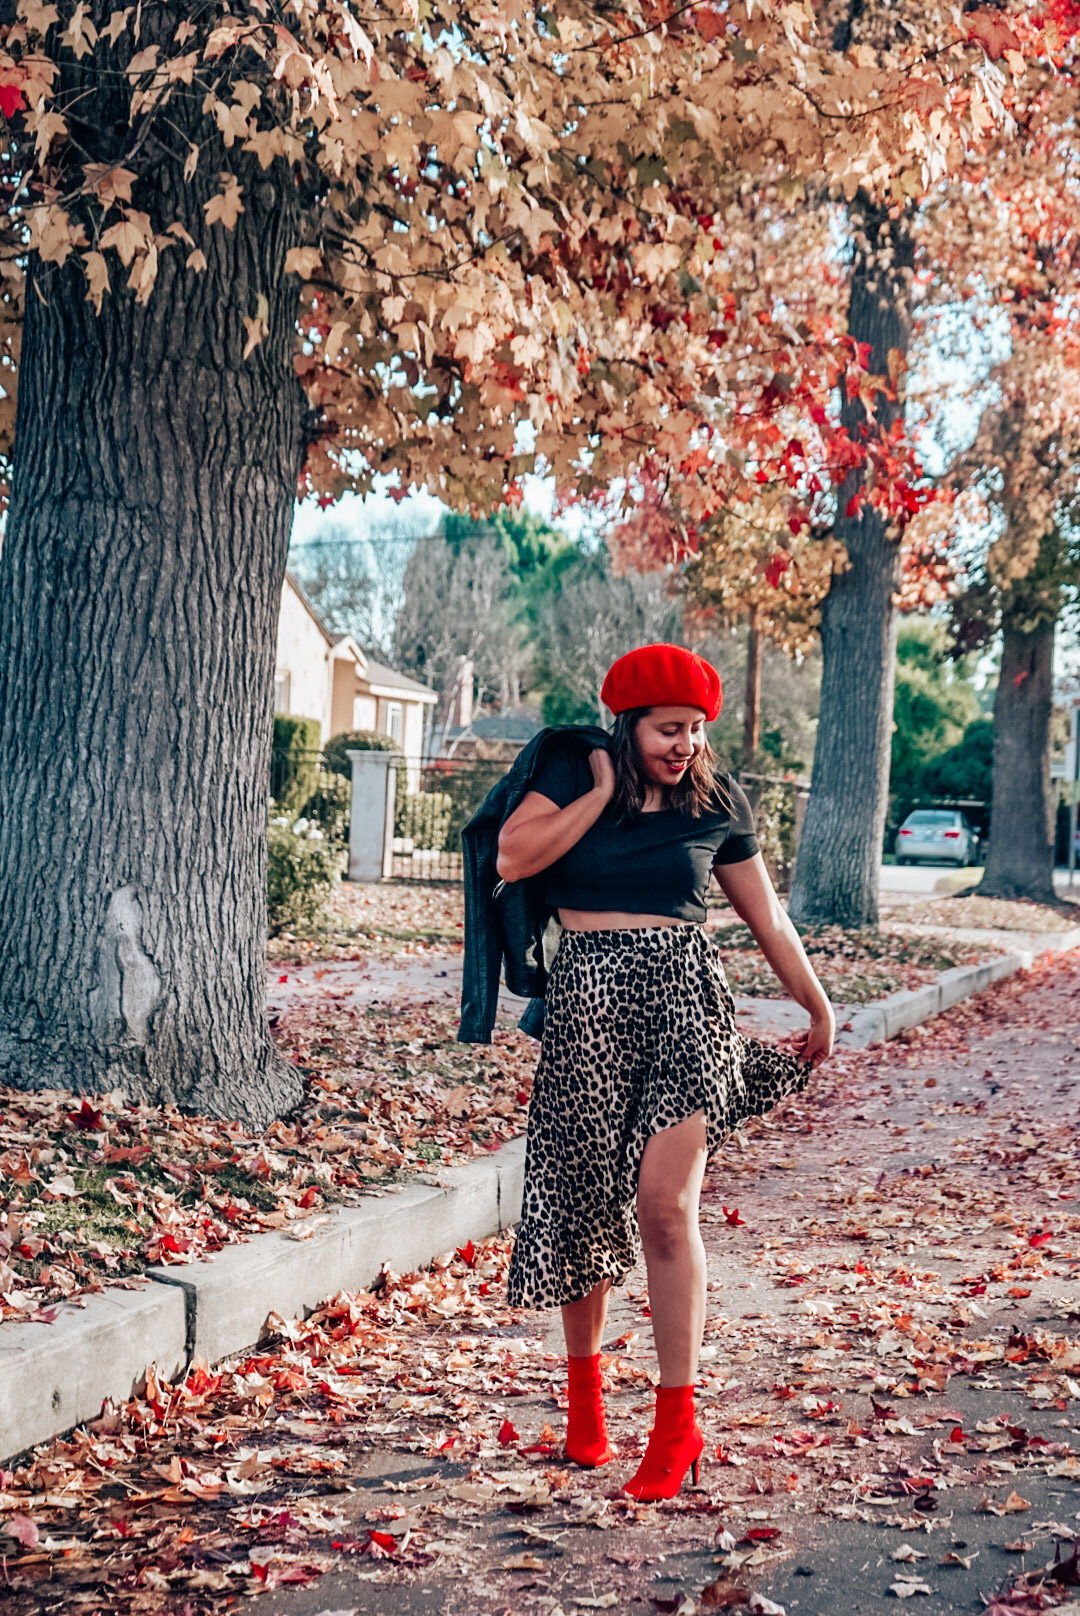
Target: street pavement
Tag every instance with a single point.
(931, 1187)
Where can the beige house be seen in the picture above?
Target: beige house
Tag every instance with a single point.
(327, 677)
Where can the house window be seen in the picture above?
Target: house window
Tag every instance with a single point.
(395, 721)
(281, 692)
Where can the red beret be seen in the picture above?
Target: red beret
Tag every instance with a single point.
(663, 676)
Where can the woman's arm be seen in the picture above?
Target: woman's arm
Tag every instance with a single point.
(747, 887)
(538, 831)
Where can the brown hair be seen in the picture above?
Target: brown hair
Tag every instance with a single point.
(696, 792)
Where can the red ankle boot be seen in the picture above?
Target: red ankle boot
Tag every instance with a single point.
(675, 1446)
(586, 1428)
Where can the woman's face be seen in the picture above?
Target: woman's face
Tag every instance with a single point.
(667, 740)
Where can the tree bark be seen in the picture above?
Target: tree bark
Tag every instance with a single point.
(140, 579)
(837, 870)
(1020, 859)
(752, 704)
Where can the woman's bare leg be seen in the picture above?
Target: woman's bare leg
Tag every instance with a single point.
(583, 1322)
(669, 1188)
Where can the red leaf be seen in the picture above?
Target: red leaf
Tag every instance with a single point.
(957, 1434)
(380, 1543)
(308, 1197)
(86, 1117)
(760, 1534)
(992, 31)
(780, 560)
(467, 1253)
(731, 1213)
(507, 1435)
(11, 100)
(1040, 1239)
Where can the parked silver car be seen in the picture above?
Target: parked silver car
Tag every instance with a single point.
(939, 835)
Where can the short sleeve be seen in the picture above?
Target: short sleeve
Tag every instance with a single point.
(740, 842)
(560, 776)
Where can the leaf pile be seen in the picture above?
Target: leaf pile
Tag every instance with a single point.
(93, 1190)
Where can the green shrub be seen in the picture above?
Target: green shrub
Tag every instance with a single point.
(365, 740)
(302, 869)
(294, 761)
(329, 805)
(426, 819)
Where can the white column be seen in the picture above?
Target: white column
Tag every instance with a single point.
(371, 818)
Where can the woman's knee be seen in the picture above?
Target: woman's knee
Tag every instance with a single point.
(668, 1225)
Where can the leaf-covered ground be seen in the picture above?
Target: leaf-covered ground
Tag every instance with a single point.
(987, 914)
(93, 1191)
(890, 1392)
(852, 966)
(377, 920)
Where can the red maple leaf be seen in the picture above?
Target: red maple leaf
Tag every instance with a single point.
(467, 1253)
(992, 31)
(507, 1435)
(731, 1213)
(11, 99)
(86, 1117)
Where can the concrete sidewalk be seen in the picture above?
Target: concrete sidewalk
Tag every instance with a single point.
(53, 1377)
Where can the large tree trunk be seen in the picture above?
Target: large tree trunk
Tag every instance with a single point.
(140, 581)
(1020, 861)
(837, 871)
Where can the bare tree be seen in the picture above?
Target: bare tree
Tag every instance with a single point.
(594, 617)
(355, 576)
(461, 604)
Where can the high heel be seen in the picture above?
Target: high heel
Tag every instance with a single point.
(675, 1446)
(586, 1424)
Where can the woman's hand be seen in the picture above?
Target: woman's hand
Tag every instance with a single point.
(816, 1043)
(603, 772)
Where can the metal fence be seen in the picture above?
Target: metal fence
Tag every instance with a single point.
(440, 798)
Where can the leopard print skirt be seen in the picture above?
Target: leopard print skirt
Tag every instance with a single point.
(639, 1035)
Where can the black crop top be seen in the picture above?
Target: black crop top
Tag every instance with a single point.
(647, 863)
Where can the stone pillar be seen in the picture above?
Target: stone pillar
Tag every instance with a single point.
(371, 818)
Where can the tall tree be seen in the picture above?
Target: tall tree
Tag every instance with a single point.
(263, 246)
(1025, 461)
(836, 873)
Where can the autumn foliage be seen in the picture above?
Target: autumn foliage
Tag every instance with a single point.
(523, 238)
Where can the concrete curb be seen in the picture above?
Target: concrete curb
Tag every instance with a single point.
(874, 1023)
(228, 1299)
(56, 1376)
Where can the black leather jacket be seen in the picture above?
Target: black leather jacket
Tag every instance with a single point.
(509, 929)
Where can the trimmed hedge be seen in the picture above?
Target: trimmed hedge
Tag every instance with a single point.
(365, 740)
(294, 762)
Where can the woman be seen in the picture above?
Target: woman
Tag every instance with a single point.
(642, 1073)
